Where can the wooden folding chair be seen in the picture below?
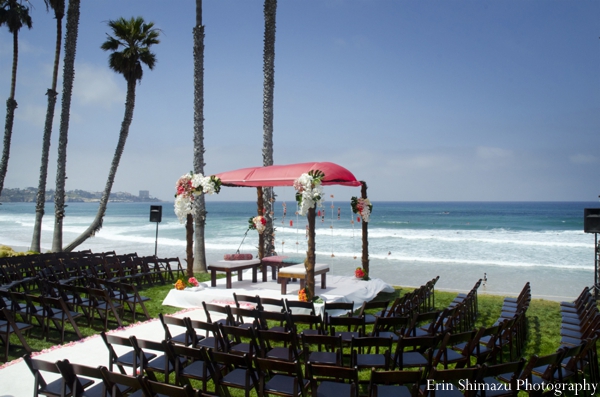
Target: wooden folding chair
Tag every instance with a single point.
(180, 338)
(282, 378)
(121, 385)
(240, 373)
(128, 359)
(55, 388)
(322, 349)
(394, 383)
(8, 327)
(77, 379)
(328, 381)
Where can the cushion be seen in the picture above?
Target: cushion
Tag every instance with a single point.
(238, 257)
(275, 259)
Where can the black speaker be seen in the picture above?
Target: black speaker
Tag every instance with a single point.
(591, 220)
(155, 213)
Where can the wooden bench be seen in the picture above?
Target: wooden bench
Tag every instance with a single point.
(276, 263)
(299, 271)
(232, 266)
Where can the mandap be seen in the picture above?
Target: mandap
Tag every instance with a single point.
(285, 175)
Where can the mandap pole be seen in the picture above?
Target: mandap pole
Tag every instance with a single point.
(189, 249)
(260, 210)
(310, 254)
(365, 232)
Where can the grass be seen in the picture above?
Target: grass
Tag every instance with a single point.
(542, 335)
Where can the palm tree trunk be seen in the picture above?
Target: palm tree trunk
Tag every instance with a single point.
(200, 218)
(68, 79)
(270, 9)
(41, 192)
(52, 94)
(11, 105)
(97, 223)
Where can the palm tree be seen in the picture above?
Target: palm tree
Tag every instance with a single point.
(200, 219)
(68, 80)
(14, 15)
(136, 37)
(59, 12)
(270, 9)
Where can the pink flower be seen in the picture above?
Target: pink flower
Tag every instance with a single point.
(193, 281)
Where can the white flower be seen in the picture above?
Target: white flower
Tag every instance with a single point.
(311, 192)
(183, 207)
(197, 180)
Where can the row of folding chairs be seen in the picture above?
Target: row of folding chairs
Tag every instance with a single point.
(52, 310)
(15, 272)
(421, 299)
(79, 380)
(513, 324)
(254, 371)
(580, 322)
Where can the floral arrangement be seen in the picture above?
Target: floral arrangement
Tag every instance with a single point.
(309, 190)
(302, 295)
(361, 274)
(362, 206)
(257, 223)
(189, 186)
(181, 284)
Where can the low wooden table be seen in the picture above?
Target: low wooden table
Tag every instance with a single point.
(299, 271)
(276, 263)
(232, 266)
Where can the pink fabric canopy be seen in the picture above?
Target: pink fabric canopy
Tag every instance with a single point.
(285, 175)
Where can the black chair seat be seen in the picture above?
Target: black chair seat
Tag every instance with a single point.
(394, 391)
(326, 358)
(127, 358)
(414, 359)
(196, 370)
(280, 353)
(370, 360)
(282, 384)
(451, 355)
(236, 378)
(327, 388)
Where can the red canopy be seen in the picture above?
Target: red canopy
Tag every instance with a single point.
(285, 175)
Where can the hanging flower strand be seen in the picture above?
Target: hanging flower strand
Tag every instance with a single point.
(189, 186)
(362, 206)
(309, 190)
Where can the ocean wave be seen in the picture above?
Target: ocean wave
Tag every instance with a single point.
(458, 261)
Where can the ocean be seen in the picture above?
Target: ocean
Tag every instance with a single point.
(409, 242)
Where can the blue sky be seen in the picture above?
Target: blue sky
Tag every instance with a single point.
(424, 100)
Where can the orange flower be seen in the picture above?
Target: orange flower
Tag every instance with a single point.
(302, 295)
(180, 285)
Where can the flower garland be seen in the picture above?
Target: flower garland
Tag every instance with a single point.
(309, 190)
(362, 206)
(189, 186)
(257, 223)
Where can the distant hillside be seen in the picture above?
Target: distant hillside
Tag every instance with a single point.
(28, 195)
